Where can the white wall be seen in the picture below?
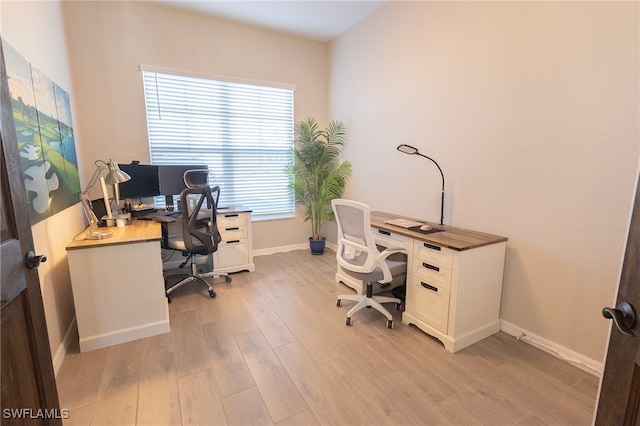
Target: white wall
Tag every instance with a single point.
(93, 51)
(531, 109)
(35, 30)
(108, 41)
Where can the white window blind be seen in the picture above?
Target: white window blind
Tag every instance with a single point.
(242, 132)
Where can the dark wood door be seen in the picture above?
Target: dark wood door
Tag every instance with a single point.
(620, 389)
(29, 394)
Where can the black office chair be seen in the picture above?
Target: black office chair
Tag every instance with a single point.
(200, 235)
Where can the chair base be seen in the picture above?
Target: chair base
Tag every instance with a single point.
(197, 277)
(369, 301)
(215, 274)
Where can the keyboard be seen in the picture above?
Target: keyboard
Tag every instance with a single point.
(146, 215)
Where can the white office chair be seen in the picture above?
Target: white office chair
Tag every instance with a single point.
(359, 257)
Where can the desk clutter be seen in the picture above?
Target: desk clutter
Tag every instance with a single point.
(120, 219)
(425, 229)
(136, 208)
(413, 225)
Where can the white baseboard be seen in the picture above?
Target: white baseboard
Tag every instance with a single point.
(281, 249)
(124, 335)
(284, 249)
(63, 349)
(587, 364)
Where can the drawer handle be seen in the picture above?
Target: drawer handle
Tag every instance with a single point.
(432, 247)
(233, 241)
(433, 268)
(231, 215)
(235, 228)
(429, 287)
(383, 232)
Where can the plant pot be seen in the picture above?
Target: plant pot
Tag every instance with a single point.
(317, 246)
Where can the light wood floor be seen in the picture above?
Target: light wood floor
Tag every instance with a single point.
(272, 348)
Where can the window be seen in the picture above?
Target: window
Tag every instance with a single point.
(242, 132)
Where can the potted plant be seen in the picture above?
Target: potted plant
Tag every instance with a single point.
(316, 175)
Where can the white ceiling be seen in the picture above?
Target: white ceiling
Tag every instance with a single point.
(321, 20)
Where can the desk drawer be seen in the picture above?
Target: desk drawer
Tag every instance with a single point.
(432, 254)
(431, 304)
(431, 274)
(232, 253)
(226, 220)
(389, 239)
(233, 233)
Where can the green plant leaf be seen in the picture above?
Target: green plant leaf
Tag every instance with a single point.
(316, 175)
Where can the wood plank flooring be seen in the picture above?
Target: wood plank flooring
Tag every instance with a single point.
(272, 349)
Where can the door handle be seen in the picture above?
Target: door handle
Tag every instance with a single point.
(34, 260)
(623, 316)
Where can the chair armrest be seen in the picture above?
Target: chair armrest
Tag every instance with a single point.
(164, 222)
(391, 250)
(388, 252)
(381, 262)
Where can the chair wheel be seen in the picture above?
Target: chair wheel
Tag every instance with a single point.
(339, 303)
(348, 322)
(398, 306)
(227, 278)
(212, 294)
(168, 298)
(389, 323)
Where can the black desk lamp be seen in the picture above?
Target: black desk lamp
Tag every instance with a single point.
(408, 149)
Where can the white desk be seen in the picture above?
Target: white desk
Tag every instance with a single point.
(235, 252)
(118, 288)
(454, 279)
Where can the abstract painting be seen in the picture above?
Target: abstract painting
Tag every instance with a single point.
(44, 129)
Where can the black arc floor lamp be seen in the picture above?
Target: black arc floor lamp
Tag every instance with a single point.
(408, 149)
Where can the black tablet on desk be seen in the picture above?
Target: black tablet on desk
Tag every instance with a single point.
(99, 210)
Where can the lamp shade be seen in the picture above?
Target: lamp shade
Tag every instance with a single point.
(407, 149)
(115, 175)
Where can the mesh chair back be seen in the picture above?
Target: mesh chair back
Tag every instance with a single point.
(358, 254)
(356, 247)
(199, 219)
(196, 178)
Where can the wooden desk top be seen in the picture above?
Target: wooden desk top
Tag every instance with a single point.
(233, 209)
(138, 231)
(451, 237)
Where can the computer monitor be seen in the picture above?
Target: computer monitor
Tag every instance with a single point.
(172, 180)
(145, 181)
